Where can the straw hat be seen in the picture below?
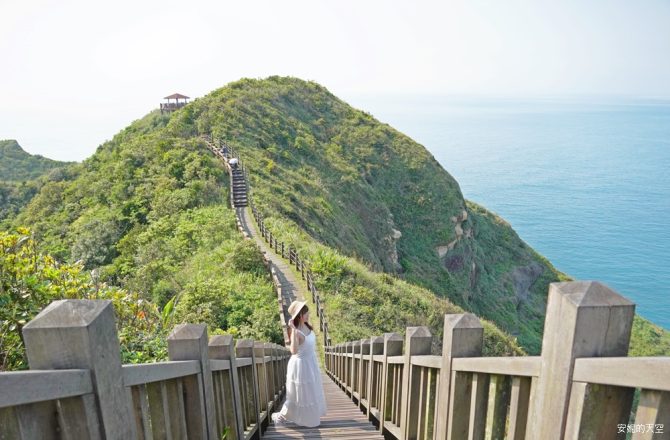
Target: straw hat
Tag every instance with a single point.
(295, 308)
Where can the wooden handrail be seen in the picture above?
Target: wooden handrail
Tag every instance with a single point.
(502, 396)
(202, 392)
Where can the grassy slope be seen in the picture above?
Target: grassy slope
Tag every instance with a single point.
(148, 212)
(349, 181)
(331, 174)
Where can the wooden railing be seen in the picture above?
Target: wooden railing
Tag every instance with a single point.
(285, 250)
(580, 388)
(78, 389)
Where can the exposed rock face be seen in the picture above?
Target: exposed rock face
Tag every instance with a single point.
(391, 241)
(523, 278)
(460, 232)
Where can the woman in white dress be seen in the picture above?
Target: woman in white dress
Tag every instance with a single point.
(305, 402)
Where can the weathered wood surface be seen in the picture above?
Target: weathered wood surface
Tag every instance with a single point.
(652, 373)
(508, 366)
(344, 421)
(136, 374)
(23, 387)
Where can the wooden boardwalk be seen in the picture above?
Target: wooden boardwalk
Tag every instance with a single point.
(344, 419)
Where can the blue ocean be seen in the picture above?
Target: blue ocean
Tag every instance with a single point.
(586, 182)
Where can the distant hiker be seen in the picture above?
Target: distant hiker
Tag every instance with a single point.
(233, 163)
(224, 150)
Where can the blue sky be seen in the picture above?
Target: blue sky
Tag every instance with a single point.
(76, 72)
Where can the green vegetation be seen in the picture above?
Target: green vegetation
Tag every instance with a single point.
(360, 302)
(30, 280)
(22, 175)
(147, 212)
(385, 228)
(18, 166)
(352, 183)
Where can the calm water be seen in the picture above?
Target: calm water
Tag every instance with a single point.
(586, 183)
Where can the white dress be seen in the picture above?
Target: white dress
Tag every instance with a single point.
(305, 402)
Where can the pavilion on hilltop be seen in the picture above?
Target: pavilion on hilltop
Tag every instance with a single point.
(179, 101)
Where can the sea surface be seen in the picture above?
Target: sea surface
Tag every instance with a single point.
(585, 182)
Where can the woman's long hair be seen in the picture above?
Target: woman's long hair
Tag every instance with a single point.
(296, 322)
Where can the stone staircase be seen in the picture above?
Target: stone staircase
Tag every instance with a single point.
(239, 188)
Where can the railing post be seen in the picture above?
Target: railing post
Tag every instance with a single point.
(223, 347)
(261, 377)
(245, 349)
(392, 347)
(349, 347)
(82, 334)
(189, 342)
(355, 369)
(270, 374)
(418, 341)
(462, 337)
(364, 375)
(584, 319)
(376, 348)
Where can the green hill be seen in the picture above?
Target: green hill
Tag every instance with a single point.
(17, 166)
(20, 174)
(355, 195)
(365, 189)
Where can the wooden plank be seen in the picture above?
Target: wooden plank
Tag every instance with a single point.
(395, 360)
(518, 413)
(479, 398)
(9, 424)
(137, 374)
(653, 411)
(38, 420)
(506, 366)
(652, 373)
(427, 360)
(22, 387)
(459, 407)
(219, 364)
(78, 418)
(159, 425)
(595, 411)
(242, 362)
(142, 414)
(175, 406)
(499, 397)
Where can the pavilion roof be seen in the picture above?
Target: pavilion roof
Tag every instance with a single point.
(176, 96)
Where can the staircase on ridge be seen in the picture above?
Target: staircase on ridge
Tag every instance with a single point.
(239, 188)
